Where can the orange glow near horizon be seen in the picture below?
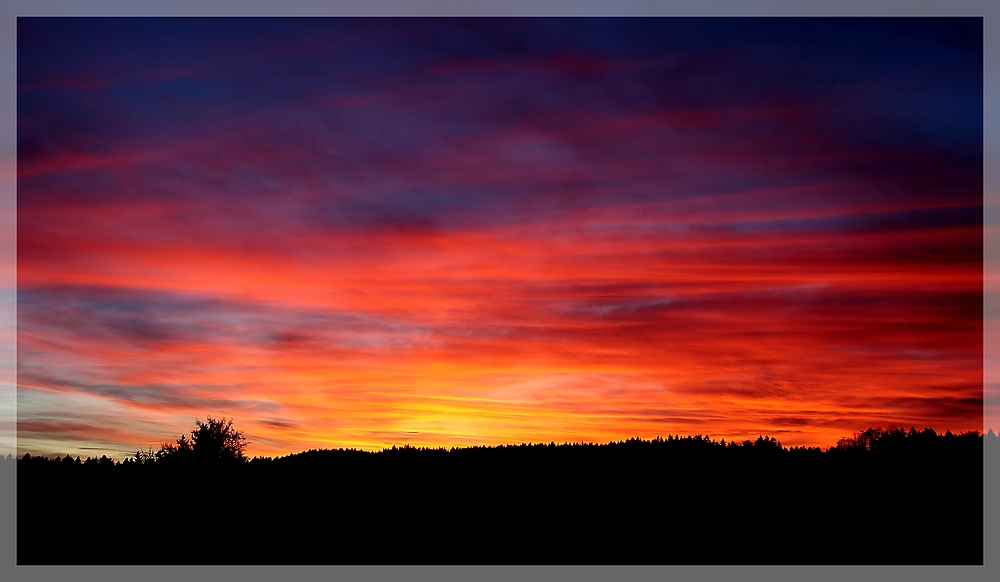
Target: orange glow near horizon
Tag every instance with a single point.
(550, 373)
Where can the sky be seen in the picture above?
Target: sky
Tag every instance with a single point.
(452, 232)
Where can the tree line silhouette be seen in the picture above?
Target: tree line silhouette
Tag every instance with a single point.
(881, 496)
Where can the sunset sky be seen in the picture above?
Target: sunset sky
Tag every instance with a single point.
(448, 232)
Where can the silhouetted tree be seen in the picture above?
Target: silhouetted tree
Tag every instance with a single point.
(142, 457)
(181, 448)
(214, 441)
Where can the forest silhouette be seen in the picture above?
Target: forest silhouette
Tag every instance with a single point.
(881, 496)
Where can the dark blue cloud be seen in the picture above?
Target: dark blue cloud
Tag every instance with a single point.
(400, 123)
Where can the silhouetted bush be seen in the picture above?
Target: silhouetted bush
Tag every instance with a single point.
(211, 442)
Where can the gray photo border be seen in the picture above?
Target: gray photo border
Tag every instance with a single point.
(989, 10)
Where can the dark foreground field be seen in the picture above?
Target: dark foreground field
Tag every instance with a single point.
(896, 498)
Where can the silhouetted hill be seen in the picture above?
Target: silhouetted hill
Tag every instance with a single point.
(879, 497)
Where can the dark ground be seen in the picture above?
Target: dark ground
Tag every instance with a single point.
(914, 500)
